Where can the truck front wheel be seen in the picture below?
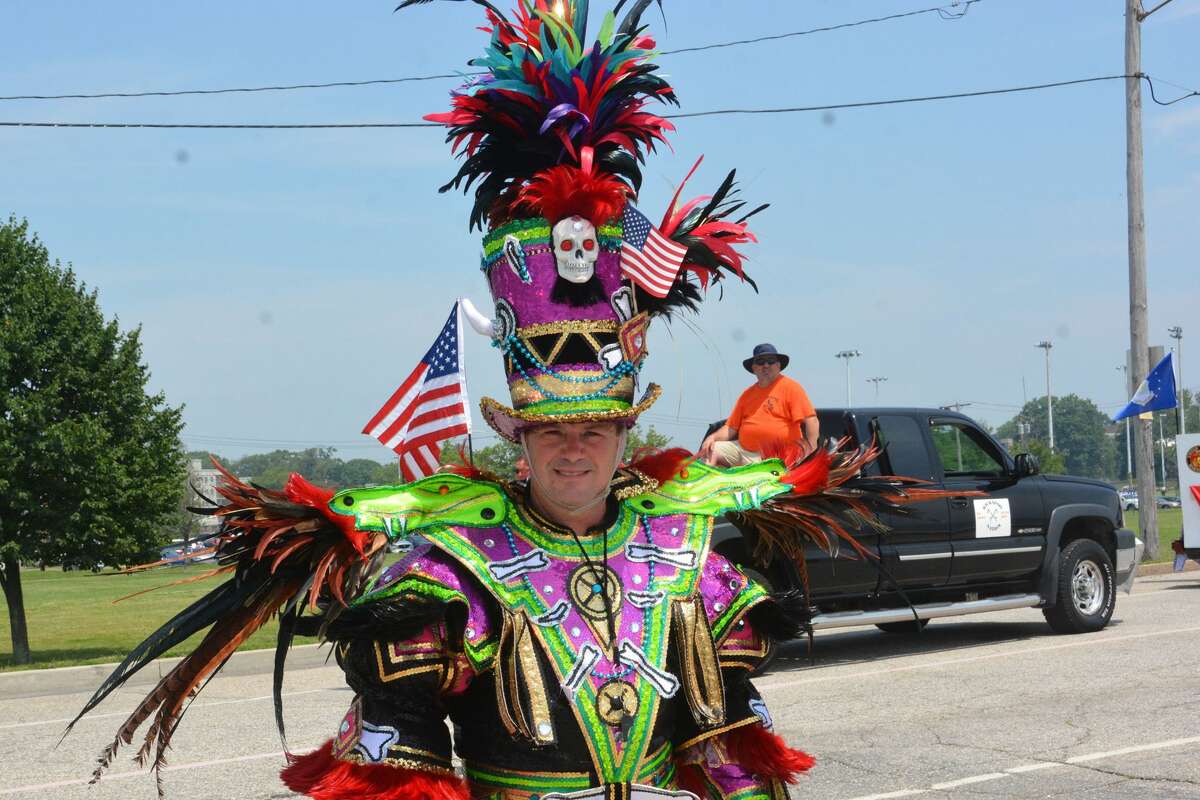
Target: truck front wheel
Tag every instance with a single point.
(1086, 589)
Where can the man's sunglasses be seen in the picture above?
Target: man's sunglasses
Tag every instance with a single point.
(759, 362)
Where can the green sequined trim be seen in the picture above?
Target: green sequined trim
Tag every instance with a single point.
(752, 595)
(552, 408)
(612, 763)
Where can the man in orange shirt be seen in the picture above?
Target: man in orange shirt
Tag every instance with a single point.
(774, 409)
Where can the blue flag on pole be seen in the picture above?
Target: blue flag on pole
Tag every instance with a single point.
(1155, 393)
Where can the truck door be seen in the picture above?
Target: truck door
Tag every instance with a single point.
(829, 577)
(916, 550)
(1001, 535)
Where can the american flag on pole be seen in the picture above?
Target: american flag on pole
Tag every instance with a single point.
(429, 407)
(650, 259)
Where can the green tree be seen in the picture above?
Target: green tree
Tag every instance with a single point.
(649, 439)
(91, 469)
(1049, 463)
(1081, 434)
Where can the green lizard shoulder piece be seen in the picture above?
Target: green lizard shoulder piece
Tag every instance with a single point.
(443, 499)
(701, 489)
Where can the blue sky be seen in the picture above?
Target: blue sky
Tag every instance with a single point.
(286, 281)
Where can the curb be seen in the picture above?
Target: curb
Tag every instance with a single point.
(1165, 568)
(67, 680)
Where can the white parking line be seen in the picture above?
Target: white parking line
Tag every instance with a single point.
(1092, 641)
(1040, 765)
(127, 713)
(117, 776)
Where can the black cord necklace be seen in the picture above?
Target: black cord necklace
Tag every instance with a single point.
(601, 579)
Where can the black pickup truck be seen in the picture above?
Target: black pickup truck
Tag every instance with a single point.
(1053, 542)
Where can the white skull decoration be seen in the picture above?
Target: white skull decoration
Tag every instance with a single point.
(575, 249)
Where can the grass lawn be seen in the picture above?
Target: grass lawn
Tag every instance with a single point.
(72, 619)
(1170, 526)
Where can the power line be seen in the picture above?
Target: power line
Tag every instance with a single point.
(946, 12)
(902, 100)
(1154, 97)
(696, 114)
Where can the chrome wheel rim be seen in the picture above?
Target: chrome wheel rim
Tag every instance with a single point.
(1087, 587)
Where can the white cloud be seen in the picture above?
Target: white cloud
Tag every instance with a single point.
(1173, 122)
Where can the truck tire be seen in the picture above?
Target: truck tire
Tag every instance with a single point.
(1087, 589)
(908, 628)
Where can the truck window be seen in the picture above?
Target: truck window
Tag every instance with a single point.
(964, 451)
(903, 447)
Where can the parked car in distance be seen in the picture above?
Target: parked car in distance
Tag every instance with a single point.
(1168, 501)
(177, 554)
(1129, 499)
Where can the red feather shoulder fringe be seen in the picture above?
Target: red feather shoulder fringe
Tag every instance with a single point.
(662, 465)
(322, 777)
(765, 754)
(566, 191)
(690, 778)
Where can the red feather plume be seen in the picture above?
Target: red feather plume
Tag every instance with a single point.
(766, 754)
(662, 465)
(321, 776)
(565, 191)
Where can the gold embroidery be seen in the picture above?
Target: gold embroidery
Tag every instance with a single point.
(718, 731)
(355, 758)
(568, 326)
(525, 392)
(490, 409)
(698, 663)
(539, 704)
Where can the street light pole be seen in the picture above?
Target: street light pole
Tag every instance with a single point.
(1046, 345)
(878, 379)
(848, 354)
(1181, 405)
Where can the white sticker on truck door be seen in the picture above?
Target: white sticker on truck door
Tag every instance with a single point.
(992, 518)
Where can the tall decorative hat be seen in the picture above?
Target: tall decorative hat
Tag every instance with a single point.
(553, 135)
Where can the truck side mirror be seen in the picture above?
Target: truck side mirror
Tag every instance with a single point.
(1027, 464)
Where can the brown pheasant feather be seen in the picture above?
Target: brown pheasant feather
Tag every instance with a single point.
(284, 549)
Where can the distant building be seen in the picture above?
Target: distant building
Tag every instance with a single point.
(202, 490)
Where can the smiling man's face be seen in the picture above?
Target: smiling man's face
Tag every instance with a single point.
(573, 462)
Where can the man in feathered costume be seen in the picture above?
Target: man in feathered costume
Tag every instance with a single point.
(576, 627)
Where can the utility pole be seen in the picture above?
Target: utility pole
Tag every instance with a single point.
(1046, 345)
(848, 354)
(1180, 405)
(1128, 440)
(878, 379)
(1139, 334)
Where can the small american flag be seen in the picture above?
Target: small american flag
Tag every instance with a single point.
(429, 407)
(650, 259)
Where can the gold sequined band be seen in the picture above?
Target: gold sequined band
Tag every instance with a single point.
(584, 326)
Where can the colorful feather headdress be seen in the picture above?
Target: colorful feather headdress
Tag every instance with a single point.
(552, 138)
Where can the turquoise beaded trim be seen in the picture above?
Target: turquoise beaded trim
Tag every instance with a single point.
(514, 348)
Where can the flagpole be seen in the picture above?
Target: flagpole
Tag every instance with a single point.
(462, 354)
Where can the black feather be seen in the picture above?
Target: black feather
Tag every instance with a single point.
(483, 3)
(196, 617)
(283, 643)
(782, 618)
(393, 619)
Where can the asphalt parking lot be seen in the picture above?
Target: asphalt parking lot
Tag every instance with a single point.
(987, 706)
